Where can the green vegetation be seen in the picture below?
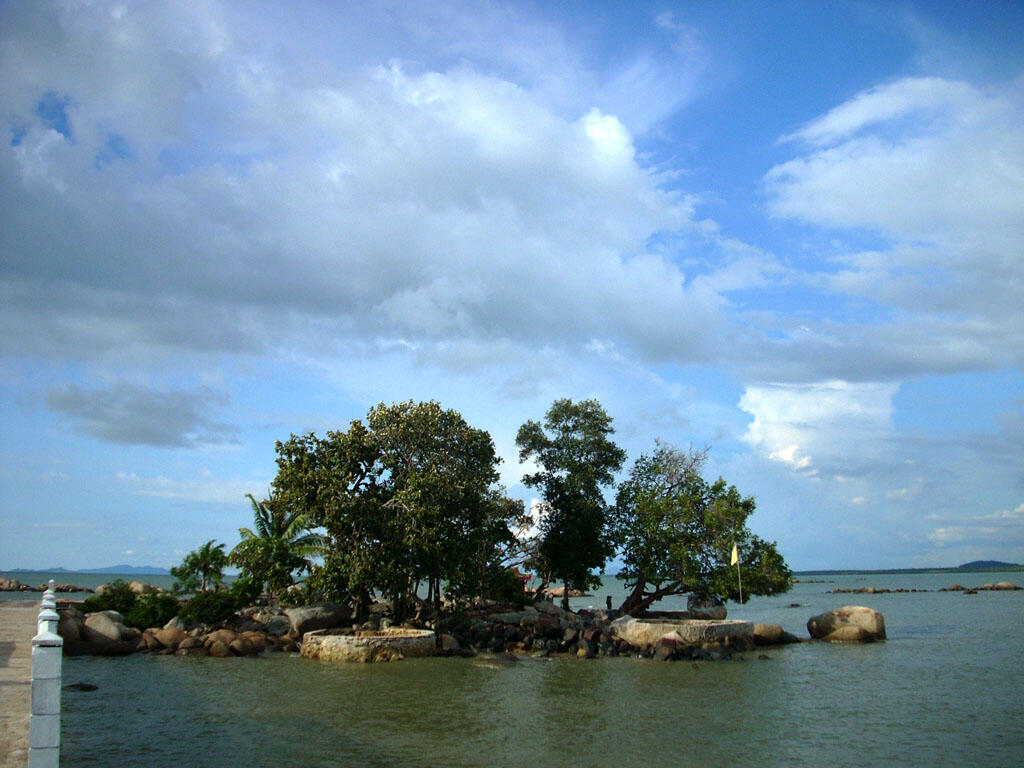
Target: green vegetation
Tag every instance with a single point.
(116, 596)
(409, 497)
(676, 532)
(202, 569)
(577, 460)
(152, 609)
(210, 606)
(281, 545)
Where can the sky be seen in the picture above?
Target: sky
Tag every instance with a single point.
(792, 232)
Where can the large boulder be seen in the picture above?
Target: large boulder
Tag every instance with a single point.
(170, 637)
(70, 625)
(307, 618)
(644, 634)
(103, 628)
(849, 624)
(705, 608)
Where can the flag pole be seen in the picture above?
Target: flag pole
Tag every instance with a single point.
(736, 562)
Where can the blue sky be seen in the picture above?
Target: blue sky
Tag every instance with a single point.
(791, 231)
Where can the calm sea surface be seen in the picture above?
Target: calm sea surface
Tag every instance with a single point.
(946, 689)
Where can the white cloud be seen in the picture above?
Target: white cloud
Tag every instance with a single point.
(824, 426)
(1005, 527)
(204, 488)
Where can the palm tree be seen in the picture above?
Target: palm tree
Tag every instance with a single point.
(201, 568)
(281, 544)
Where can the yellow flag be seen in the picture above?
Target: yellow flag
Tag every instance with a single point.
(735, 556)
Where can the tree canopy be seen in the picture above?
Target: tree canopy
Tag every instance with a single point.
(676, 532)
(407, 497)
(576, 460)
(201, 569)
(281, 545)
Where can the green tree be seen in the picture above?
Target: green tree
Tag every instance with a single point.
(201, 569)
(409, 497)
(577, 459)
(676, 533)
(281, 545)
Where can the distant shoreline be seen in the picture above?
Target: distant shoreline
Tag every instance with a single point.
(960, 569)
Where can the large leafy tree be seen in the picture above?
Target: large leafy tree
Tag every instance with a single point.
(577, 460)
(281, 544)
(408, 497)
(676, 532)
(201, 569)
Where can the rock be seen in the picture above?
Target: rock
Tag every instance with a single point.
(707, 608)
(219, 650)
(70, 625)
(308, 618)
(139, 588)
(242, 646)
(177, 623)
(278, 625)
(772, 634)
(643, 634)
(120, 648)
(226, 636)
(449, 645)
(190, 642)
(1001, 586)
(102, 628)
(170, 637)
(525, 616)
(827, 626)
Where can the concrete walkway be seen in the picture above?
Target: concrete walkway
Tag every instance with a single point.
(17, 628)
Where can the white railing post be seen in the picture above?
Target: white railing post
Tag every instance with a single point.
(44, 722)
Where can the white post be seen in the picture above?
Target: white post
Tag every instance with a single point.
(44, 722)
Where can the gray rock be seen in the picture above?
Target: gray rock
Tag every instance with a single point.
(102, 629)
(708, 608)
(308, 618)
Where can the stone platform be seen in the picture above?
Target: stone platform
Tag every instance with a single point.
(645, 633)
(359, 645)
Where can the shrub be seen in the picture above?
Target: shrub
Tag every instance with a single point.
(153, 609)
(116, 596)
(210, 607)
(245, 590)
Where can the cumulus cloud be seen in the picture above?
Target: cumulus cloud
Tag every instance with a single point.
(936, 169)
(137, 415)
(255, 205)
(832, 426)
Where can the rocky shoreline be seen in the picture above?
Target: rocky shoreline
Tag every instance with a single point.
(13, 585)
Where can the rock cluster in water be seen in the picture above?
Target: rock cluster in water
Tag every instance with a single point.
(104, 633)
(13, 585)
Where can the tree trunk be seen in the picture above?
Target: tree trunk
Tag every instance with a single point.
(565, 596)
(639, 601)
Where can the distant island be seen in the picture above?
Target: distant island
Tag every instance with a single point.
(988, 564)
(974, 565)
(141, 570)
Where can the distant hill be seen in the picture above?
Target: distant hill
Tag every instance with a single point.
(140, 570)
(987, 564)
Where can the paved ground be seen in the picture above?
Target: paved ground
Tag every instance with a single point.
(17, 628)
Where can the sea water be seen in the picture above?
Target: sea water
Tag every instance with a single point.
(946, 689)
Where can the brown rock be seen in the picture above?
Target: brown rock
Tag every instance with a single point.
(170, 637)
(241, 646)
(219, 650)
